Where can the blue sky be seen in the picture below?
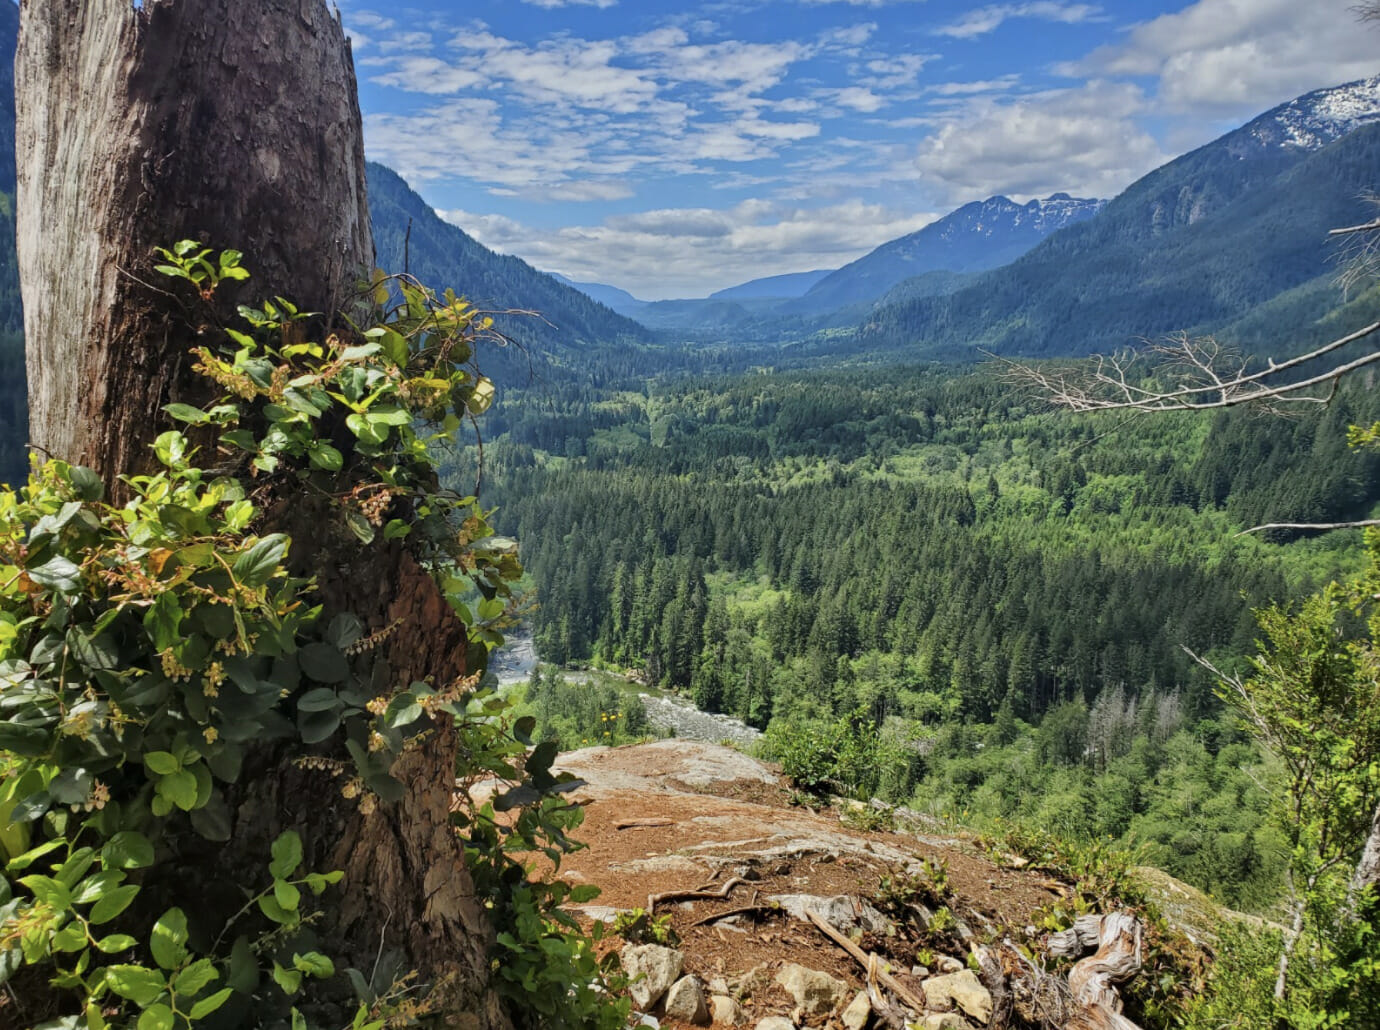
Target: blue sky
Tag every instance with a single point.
(677, 148)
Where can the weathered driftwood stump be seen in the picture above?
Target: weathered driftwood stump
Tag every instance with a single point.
(1093, 981)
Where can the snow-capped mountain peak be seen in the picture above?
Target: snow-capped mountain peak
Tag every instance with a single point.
(1318, 118)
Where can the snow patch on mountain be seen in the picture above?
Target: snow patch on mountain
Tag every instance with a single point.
(1316, 119)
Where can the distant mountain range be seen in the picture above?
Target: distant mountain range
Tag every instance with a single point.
(1197, 244)
(773, 287)
(978, 236)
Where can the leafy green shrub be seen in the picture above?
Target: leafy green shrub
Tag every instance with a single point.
(145, 646)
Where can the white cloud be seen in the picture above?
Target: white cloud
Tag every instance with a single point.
(988, 19)
(1086, 141)
(1240, 57)
(694, 251)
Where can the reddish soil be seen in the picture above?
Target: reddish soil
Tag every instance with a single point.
(729, 816)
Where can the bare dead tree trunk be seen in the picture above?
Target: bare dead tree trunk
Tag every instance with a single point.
(236, 122)
(1367, 874)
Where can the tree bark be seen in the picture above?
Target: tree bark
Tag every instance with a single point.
(236, 123)
(1367, 874)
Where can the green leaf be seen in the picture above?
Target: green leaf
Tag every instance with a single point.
(314, 727)
(313, 963)
(396, 529)
(156, 1017)
(256, 566)
(324, 456)
(88, 485)
(187, 413)
(180, 788)
(212, 820)
(115, 943)
(171, 447)
(210, 1003)
(287, 855)
(49, 891)
(113, 903)
(162, 763)
(163, 621)
(324, 663)
(359, 526)
(169, 938)
(524, 728)
(243, 974)
(71, 937)
(128, 849)
(57, 573)
(287, 895)
(299, 1021)
(24, 740)
(196, 977)
(319, 699)
(137, 983)
(290, 980)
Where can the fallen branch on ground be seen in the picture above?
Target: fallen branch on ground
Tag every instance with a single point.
(869, 963)
(699, 894)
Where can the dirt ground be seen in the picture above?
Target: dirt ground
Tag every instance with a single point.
(684, 816)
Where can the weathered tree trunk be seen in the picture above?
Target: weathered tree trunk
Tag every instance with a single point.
(235, 122)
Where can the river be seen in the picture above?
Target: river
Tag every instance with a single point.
(514, 663)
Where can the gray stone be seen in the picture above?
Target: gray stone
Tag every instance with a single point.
(963, 990)
(725, 1011)
(776, 1023)
(841, 912)
(652, 969)
(858, 1012)
(944, 1021)
(685, 1001)
(815, 993)
(949, 964)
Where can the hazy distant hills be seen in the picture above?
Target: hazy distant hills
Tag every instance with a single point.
(441, 255)
(1196, 244)
(773, 287)
(978, 236)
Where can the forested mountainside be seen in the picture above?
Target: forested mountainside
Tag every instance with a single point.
(930, 554)
(442, 256)
(978, 236)
(789, 285)
(1196, 245)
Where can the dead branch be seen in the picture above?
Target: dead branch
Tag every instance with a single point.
(1362, 524)
(698, 894)
(761, 909)
(1202, 374)
(1094, 980)
(868, 962)
(642, 824)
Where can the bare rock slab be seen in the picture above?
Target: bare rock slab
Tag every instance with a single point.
(685, 1001)
(960, 990)
(815, 993)
(652, 969)
(776, 1023)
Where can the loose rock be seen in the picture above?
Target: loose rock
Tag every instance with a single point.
(725, 1010)
(685, 1001)
(858, 1012)
(776, 1023)
(840, 912)
(816, 993)
(948, 964)
(652, 969)
(944, 1021)
(963, 990)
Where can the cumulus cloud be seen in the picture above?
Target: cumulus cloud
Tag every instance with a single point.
(1085, 141)
(1239, 57)
(990, 18)
(693, 251)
